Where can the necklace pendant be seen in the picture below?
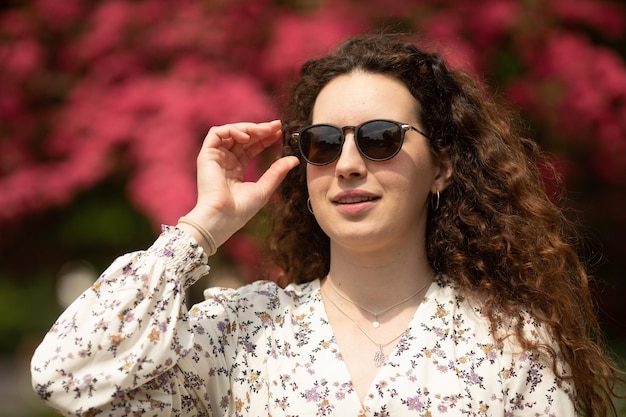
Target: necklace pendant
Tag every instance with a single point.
(376, 324)
(379, 357)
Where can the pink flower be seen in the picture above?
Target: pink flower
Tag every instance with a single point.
(605, 17)
(489, 21)
(21, 58)
(444, 28)
(579, 91)
(59, 14)
(108, 26)
(297, 38)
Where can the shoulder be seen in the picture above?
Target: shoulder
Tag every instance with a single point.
(451, 313)
(446, 295)
(259, 296)
(520, 344)
(474, 307)
(264, 291)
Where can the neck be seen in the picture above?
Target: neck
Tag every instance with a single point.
(377, 280)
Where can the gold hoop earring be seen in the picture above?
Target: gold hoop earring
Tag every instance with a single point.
(434, 205)
(309, 206)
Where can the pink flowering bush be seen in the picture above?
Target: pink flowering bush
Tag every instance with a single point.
(99, 90)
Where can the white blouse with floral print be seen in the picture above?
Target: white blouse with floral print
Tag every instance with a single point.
(128, 346)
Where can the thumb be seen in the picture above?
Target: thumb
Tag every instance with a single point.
(275, 174)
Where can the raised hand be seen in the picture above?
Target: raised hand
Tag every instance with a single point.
(225, 202)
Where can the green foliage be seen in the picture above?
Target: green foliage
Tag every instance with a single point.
(26, 309)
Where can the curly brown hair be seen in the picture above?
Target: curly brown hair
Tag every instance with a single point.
(496, 232)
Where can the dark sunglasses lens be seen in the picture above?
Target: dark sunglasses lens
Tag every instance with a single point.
(379, 139)
(320, 144)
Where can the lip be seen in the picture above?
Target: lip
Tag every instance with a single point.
(354, 201)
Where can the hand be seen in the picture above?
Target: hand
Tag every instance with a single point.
(226, 203)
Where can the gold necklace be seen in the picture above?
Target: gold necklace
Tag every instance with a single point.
(379, 356)
(376, 322)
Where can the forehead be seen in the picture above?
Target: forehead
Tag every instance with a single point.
(359, 96)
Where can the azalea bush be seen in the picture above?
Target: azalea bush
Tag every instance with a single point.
(104, 104)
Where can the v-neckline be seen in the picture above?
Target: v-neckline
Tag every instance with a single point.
(328, 333)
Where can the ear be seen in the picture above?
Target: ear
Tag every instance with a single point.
(443, 175)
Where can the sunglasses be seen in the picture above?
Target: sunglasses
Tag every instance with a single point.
(377, 140)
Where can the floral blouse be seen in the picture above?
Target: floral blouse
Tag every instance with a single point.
(128, 346)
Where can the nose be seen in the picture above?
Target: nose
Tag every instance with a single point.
(350, 162)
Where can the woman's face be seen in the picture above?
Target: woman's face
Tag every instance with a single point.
(365, 205)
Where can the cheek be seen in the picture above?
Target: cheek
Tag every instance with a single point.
(413, 179)
(316, 180)
(399, 184)
(421, 168)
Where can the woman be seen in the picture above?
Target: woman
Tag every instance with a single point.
(428, 272)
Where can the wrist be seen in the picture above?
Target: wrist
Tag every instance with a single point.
(199, 233)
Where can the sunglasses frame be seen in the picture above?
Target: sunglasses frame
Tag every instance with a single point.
(404, 127)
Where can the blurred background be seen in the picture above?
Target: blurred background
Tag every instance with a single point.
(104, 104)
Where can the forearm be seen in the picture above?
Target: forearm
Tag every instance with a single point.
(128, 328)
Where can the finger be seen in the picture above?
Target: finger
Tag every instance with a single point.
(230, 134)
(275, 174)
(255, 147)
(262, 136)
(225, 136)
(245, 131)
